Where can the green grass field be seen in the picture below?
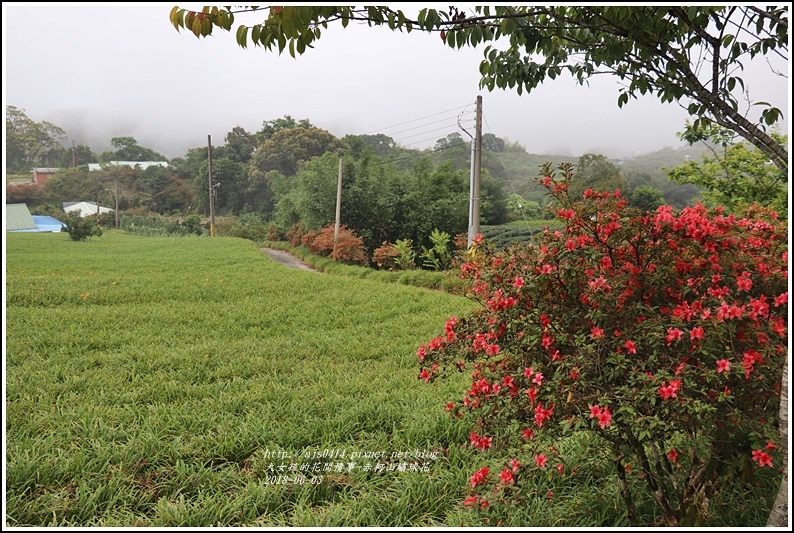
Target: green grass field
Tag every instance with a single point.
(155, 381)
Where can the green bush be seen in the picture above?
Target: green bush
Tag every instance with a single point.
(81, 228)
(439, 257)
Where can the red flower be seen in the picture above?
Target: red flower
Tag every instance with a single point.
(673, 334)
(602, 414)
(781, 300)
(696, 333)
(470, 501)
(669, 390)
(421, 353)
(532, 394)
(542, 414)
(744, 283)
(763, 458)
(630, 346)
(547, 340)
(479, 476)
(605, 418)
(506, 476)
(672, 455)
(540, 460)
(528, 434)
(723, 365)
(596, 332)
(519, 282)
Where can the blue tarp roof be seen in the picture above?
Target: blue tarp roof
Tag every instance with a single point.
(43, 224)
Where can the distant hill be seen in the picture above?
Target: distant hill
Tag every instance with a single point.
(519, 169)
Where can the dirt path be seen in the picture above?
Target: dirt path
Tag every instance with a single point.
(286, 258)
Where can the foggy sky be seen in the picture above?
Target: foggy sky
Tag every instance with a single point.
(115, 70)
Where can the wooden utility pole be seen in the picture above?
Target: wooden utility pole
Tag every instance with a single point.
(475, 188)
(338, 224)
(212, 199)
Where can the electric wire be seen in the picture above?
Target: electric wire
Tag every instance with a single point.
(422, 126)
(424, 153)
(445, 127)
(381, 130)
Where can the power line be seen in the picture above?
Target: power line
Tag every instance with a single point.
(426, 152)
(422, 126)
(380, 130)
(445, 127)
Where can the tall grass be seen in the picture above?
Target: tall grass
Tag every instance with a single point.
(147, 379)
(156, 381)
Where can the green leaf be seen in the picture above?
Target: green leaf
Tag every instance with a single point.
(460, 38)
(420, 18)
(475, 37)
(432, 19)
(242, 37)
(177, 17)
(196, 27)
(451, 38)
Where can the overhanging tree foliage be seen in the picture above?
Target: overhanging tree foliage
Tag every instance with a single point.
(685, 54)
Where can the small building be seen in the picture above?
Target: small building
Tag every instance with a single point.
(133, 164)
(41, 175)
(19, 219)
(85, 209)
(48, 224)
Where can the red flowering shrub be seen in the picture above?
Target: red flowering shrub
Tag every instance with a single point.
(397, 256)
(384, 256)
(307, 240)
(274, 233)
(664, 334)
(346, 248)
(295, 234)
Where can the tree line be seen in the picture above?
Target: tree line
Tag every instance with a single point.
(286, 173)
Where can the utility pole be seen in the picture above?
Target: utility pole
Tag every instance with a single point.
(338, 224)
(476, 163)
(117, 201)
(212, 199)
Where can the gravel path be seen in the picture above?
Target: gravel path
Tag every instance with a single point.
(286, 258)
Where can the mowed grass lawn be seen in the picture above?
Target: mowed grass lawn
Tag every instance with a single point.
(163, 381)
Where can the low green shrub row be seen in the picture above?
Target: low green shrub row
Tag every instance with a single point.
(416, 278)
